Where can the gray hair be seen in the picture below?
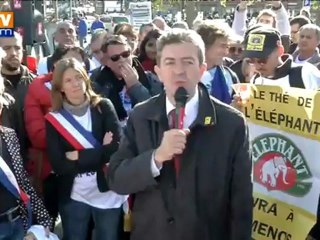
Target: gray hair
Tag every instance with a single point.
(181, 24)
(311, 27)
(65, 23)
(98, 33)
(176, 36)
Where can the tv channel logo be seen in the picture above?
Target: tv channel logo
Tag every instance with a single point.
(6, 24)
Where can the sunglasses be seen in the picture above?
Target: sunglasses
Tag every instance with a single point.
(236, 49)
(116, 57)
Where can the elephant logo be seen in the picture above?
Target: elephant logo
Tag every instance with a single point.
(279, 165)
(271, 170)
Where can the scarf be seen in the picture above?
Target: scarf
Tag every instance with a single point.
(78, 110)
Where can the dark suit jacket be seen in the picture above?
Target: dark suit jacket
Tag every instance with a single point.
(212, 197)
(104, 119)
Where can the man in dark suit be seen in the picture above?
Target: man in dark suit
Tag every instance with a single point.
(210, 196)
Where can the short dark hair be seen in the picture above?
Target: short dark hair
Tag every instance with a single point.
(301, 20)
(126, 30)
(210, 33)
(153, 34)
(114, 40)
(61, 51)
(178, 36)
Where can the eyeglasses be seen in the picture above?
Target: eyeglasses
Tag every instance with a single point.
(257, 60)
(235, 49)
(116, 57)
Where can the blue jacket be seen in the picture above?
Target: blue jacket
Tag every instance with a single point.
(83, 28)
(96, 25)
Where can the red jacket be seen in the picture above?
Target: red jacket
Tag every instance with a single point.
(37, 105)
(148, 64)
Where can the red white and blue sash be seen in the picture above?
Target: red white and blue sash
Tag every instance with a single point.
(8, 180)
(72, 130)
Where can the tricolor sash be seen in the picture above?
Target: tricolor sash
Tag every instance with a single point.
(72, 130)
(8, 180)
(80, 139)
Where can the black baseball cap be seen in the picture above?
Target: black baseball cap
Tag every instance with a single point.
(261, 42)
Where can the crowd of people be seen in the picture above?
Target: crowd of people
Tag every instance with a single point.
(91, 137)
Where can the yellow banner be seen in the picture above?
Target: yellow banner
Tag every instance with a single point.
(284, 129)
(290, 110)
(274, 219)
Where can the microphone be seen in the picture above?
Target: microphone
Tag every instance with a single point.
(181, 96)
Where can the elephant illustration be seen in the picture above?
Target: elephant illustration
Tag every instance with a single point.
(271, 169)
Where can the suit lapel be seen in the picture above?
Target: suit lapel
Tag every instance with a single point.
(158, 124)
(206, 118)
(157, 119)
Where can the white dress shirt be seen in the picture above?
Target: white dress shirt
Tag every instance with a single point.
(191, 112)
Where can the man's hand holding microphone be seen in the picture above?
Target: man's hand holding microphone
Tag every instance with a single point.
(173, 143)
(174, 140)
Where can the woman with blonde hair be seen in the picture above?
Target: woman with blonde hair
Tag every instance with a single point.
(83, 131)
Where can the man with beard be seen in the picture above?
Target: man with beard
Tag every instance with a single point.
(17, 79)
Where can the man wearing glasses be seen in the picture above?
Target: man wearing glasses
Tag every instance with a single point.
(265, 51)
(122, 78)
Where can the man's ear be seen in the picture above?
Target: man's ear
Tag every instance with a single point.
(280, 48)
(203, 68)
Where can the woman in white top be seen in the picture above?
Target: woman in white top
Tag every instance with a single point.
(83, 131)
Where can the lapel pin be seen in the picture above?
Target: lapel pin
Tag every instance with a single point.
(207, 121)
